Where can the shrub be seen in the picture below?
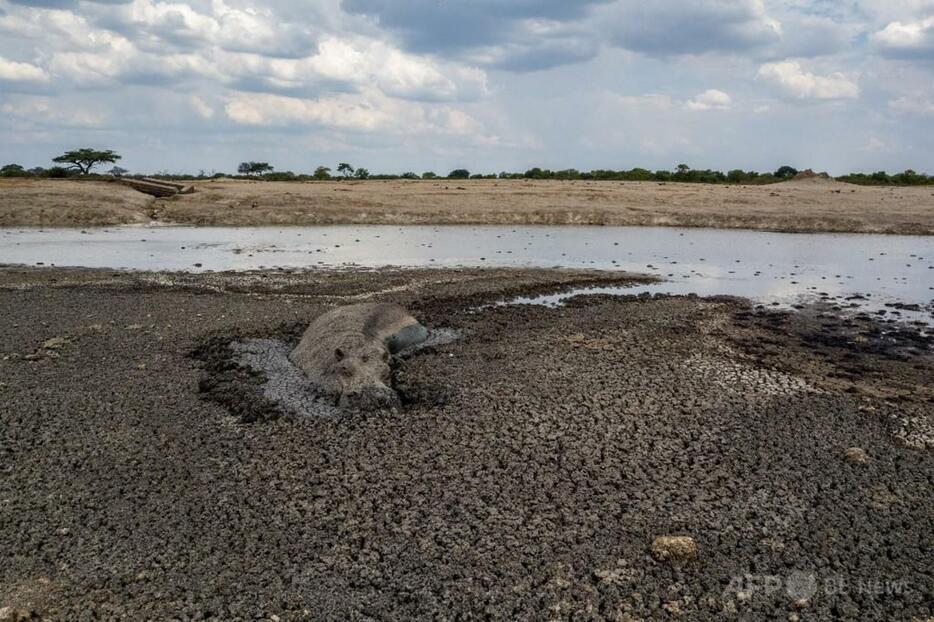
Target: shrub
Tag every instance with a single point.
(13, 170)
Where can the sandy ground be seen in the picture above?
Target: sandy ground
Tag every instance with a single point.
(67, 203)
(527, 476)
(807, 205)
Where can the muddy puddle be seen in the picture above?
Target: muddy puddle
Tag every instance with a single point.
(889, 276)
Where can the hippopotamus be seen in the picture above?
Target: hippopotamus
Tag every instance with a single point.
(346, 352)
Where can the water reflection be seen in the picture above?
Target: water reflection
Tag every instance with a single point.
(770, 267)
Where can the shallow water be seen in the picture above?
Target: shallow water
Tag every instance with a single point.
(771, 268)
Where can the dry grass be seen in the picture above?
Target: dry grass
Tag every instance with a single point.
(803, 206)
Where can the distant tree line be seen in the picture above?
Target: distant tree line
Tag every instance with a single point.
(881, 178)
(81, 162)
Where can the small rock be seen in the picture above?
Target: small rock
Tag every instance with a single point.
(8, 614)
(134, 327)
(54, 343)
(856, 455)
(674, 549)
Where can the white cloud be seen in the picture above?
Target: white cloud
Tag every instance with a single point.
(154, 24)
(651, 101)
(49, 111)
(371, 111)
(201, 107)
(795, 82)
(912, 105)
(395, 72)
(907, 39)
(21, 72)
(711, 99)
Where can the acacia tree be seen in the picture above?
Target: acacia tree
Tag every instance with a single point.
(322, 172)
(254, 168)
(12, 170)
(345, 169)
(83, 160)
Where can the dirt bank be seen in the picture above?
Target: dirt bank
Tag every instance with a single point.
(528, 476)
(68, 203)
(803, 206)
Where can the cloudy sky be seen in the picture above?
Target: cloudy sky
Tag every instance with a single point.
(490, 85)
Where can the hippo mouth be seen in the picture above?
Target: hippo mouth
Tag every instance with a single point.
(370, 398)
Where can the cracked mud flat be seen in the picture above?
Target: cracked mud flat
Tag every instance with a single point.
(526, 477)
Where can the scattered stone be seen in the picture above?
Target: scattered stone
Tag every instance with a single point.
(8, 614)
(55, 343)
(675, 549)
(856, 455)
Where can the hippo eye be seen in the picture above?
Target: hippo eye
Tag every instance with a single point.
(339, 354)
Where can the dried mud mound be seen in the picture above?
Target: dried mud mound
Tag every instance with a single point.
(253, 378)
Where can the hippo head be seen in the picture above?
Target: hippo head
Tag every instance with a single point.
(361, 374)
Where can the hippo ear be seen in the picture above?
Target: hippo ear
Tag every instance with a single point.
(339, 354)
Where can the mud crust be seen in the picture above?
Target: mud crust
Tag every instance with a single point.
(569, 440)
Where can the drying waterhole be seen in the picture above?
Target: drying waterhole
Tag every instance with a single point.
(611, 456)
(889, 276)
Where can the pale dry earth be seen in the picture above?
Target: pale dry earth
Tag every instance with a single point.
(67, 203)
(808, 205)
